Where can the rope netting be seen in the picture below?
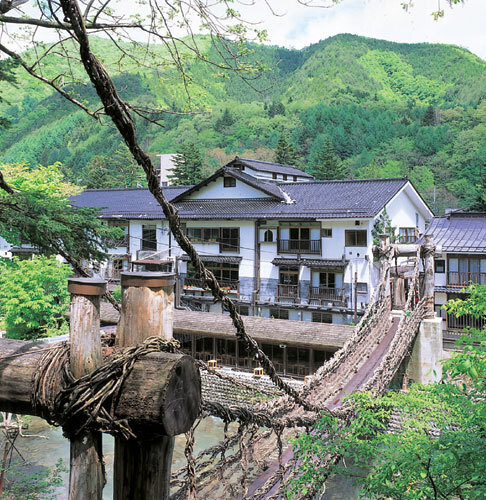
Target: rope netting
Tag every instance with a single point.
(225, 470)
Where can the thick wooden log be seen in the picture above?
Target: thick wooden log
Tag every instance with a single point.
(86, 479)
(142, 469)
(162, 394)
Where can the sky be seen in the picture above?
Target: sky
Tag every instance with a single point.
(295, 26)
(463, 25)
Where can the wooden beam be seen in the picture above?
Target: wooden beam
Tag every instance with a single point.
(161, 395)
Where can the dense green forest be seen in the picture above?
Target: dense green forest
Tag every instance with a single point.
(385, 109)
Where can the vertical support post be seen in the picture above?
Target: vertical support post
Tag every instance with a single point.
(355, 298)
(383, 260)
(429, 279)
(86, 477)
(142, 469)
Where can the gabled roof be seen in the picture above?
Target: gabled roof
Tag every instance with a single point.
(459, 232)
(305, 200)
(269, 188)
(268, 166)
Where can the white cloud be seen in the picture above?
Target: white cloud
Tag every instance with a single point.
(462, 25)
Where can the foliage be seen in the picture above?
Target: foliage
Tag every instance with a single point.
(6, 75)
(324, 164)
(34, 296)
(383, 225)
(439, 450)
(284, 152)
(368, 97)
(188, 165)
(40, 485)
(39, 212)
(479, 203)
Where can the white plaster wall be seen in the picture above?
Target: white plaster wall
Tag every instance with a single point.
(279, 178)
(215, 190)
(4, 249)
(401, 210)
(136, 236)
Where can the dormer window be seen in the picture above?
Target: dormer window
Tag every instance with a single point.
(229, 182)
(274, 175)
(284, 176)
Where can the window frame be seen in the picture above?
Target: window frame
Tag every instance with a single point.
(148, 228)
(356, 243)
(229, 182)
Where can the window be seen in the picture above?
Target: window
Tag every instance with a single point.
(296, 239)
(274, 175)
(229, 182)
(203, 234)
(320, 317)
(463, 270)
(295, 178)
(356, 238)
(408, 235)
(243, 310)
(284, 177)
(229, 240)
(226, 274)
(327, 280)
(326, 232)
(149, 237)
(268, 236)
(362, 287)
(277, 313)
(439, 312)
(439, 266)
(289, 275)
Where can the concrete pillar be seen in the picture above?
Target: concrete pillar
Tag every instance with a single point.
(424, 365)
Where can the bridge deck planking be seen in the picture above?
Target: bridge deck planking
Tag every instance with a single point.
(324, 336)
(357, 381)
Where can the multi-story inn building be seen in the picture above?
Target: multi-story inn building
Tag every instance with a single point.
(460, 260)
(282, 244)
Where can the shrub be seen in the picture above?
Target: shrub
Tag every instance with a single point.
(34, 297)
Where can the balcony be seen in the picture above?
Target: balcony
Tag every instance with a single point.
(193, 285)
(300, 246)
(287, 292)
(464, 279)
(119, 243)
(324, 294)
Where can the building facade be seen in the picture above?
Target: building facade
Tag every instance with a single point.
(460, 260)
(280, 243)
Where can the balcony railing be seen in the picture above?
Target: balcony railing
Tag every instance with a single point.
(327, 294)
(120, 242)
(197, 284)
(300, 246)
(288, 292)
(463, 279)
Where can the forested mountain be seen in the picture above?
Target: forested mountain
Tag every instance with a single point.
(385, 109)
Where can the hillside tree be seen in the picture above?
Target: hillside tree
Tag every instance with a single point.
(188, 164)
(285, 152)
(324, 163)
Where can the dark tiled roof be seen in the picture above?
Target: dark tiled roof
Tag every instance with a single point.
(459, 232)
(451, 289)
(132, 202)
(307, 200)
(267, 166)
(285, 261)
(226, 259)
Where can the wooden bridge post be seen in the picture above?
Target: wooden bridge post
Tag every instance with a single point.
(429, 279)
(384, 240)
(142, 469)
(86, 479)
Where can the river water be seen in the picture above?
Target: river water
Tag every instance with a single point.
(45, 453)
